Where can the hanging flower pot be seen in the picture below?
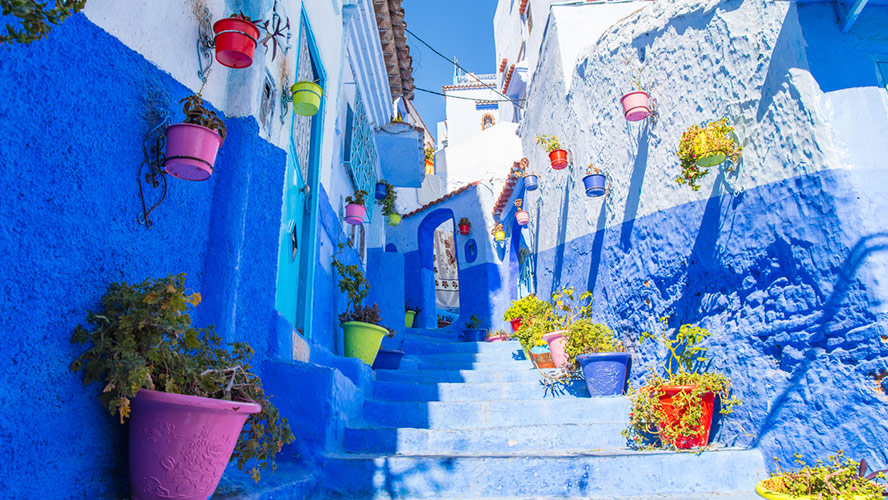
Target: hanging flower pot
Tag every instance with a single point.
(192, 146)
(381, 190)
(558, 159)
(531, 182)
(552, 145)
(394, 219)
(306, 98)
(704, 147)
(236, 39)
(673, 416)
(556, 343)
(464, 226)
(636, 105)
(595, 185)
(523, 217)
(605, 372)
(500, 236)
(182, 443)
(355, 209)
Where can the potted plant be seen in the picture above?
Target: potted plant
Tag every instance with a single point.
(429, 159)
(498, 234)
(444, 320)
(531, 180)
(187, 395)
(464, 226)
(388, 205)
(704, 147)
(636, 105)
(410, 313)
(354, 208)
(306, 98)
(531, 338)
(237, 37)
(557, 154)
(381, 190)
(472, 331)
(521, 216)
(192, 145)
(523, 309)
(603, 359)
(498, 336)
(360, 324)
(678, 404)
(839, 478)
(595, 182)
(565, 311)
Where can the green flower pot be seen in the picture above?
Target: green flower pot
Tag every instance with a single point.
(409, 316)
(306, 98)
(711, 159)
(394, 219)
(362, 340)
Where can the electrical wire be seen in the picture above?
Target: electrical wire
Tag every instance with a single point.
(469, 73)
(466, 98)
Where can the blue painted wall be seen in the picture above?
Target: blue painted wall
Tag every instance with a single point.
(76, 107)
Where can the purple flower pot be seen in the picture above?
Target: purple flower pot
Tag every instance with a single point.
(354, 214)
(595, 184)
(180, 445)
(474, 335)
(531, 183)
(191, 151)
(606, 373)
(388, 360)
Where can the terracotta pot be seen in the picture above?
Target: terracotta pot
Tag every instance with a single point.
(542, 359)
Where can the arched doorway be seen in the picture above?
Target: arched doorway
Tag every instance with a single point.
(436, 288)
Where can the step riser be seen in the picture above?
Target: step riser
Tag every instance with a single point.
(462, 415)
(500, 356)
(392, 391)
(462, 477)
(456, 376)
(425, 345)
(511, 365)
(565, 438)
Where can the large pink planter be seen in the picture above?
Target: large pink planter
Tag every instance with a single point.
(191, 151)
(556, 343)
(180, 445)
(354, 213)
(636, 106)
(523, 217)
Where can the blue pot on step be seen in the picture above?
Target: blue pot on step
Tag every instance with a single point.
(474, 335)
(381, 190)
(531, 183)
(388, 360)
(595, 184)
(606, 373)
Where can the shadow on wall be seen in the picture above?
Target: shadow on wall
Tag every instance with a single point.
(562, 233)
(633, 197)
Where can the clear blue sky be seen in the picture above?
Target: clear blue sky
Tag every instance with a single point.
(456, 28)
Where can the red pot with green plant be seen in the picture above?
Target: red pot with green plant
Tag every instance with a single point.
(525, 307)
(444, 321)
(557, 154)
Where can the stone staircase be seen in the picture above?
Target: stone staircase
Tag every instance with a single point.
(472, 421)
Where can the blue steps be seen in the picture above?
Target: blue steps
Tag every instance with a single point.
(469, 376)
(481, 391)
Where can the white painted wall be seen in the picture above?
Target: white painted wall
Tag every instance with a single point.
(487, 157)
(463, 119)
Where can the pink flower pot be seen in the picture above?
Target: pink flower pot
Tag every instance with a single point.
(180, 445)
(354, 213)
(556, 343)
(636, 106)
(191, 151)
(523, 217)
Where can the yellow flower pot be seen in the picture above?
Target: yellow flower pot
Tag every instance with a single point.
(362, 340)
(306, 98)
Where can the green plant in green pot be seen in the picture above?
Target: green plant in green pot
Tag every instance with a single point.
(704, 147)
(678, 404)
(388, 205)
(360, 324)
(410, 312)
(602, 358)
(839, 479)
(178, 385)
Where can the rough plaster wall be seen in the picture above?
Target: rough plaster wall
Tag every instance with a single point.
(487, 157)
(784, 273)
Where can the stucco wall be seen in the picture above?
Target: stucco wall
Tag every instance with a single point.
(487, 157)
(782, 261)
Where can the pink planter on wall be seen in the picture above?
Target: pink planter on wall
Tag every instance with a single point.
(636, 106)
(556, 343)
(354, 213)
(180, 445)
(191, 151)
(523, 217)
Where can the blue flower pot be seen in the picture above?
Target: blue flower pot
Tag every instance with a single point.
(606, 373)
(381, 190)
(388, 360)
(474, 335)
(595, 184)
(531, 183)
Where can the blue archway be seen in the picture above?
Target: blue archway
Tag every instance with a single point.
(420, 281)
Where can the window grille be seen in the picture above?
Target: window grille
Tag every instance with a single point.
(362, 164)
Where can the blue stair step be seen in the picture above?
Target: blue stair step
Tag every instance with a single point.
(496, 356)
(567, 438)
(439, 334)
(421, 345)
(468, 376)
(291, 480)
(488, 391)
(510, 475)
(409, 362)
(476, 414)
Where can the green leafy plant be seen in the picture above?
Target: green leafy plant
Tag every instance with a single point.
(587, 337)
(549, 142)
(429, 153)
(685, 365)
(526, 307)
(839, 479)
(35, 19)
(464, 221)
(142, 338)
(532, 329)
(473, 323)
(698, 142)
(358, 197)
(356, 287)
(197, 114)
(391, 196)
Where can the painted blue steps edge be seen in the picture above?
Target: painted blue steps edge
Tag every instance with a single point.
(456, 376)
(485, 391)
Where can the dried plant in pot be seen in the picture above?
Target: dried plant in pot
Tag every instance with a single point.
(557, 154)
(840, 478)
(677, 402)
(193, 144)
(464, 226)
(595, 182)
(444, 320)
(636, 104)
(704, 147)
(361, 325)
(186, 394)
(498, 234)
(521, 216)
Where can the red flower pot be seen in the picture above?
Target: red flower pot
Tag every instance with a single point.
(464, 229)
(236, 41)
(672, 416)
(442, 324)
(558, 159)
(516, 324)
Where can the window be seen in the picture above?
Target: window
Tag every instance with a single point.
(487, 121)
(347, 138)
(266, 103)
(357, 240)
(529, 20)
(362, 164)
